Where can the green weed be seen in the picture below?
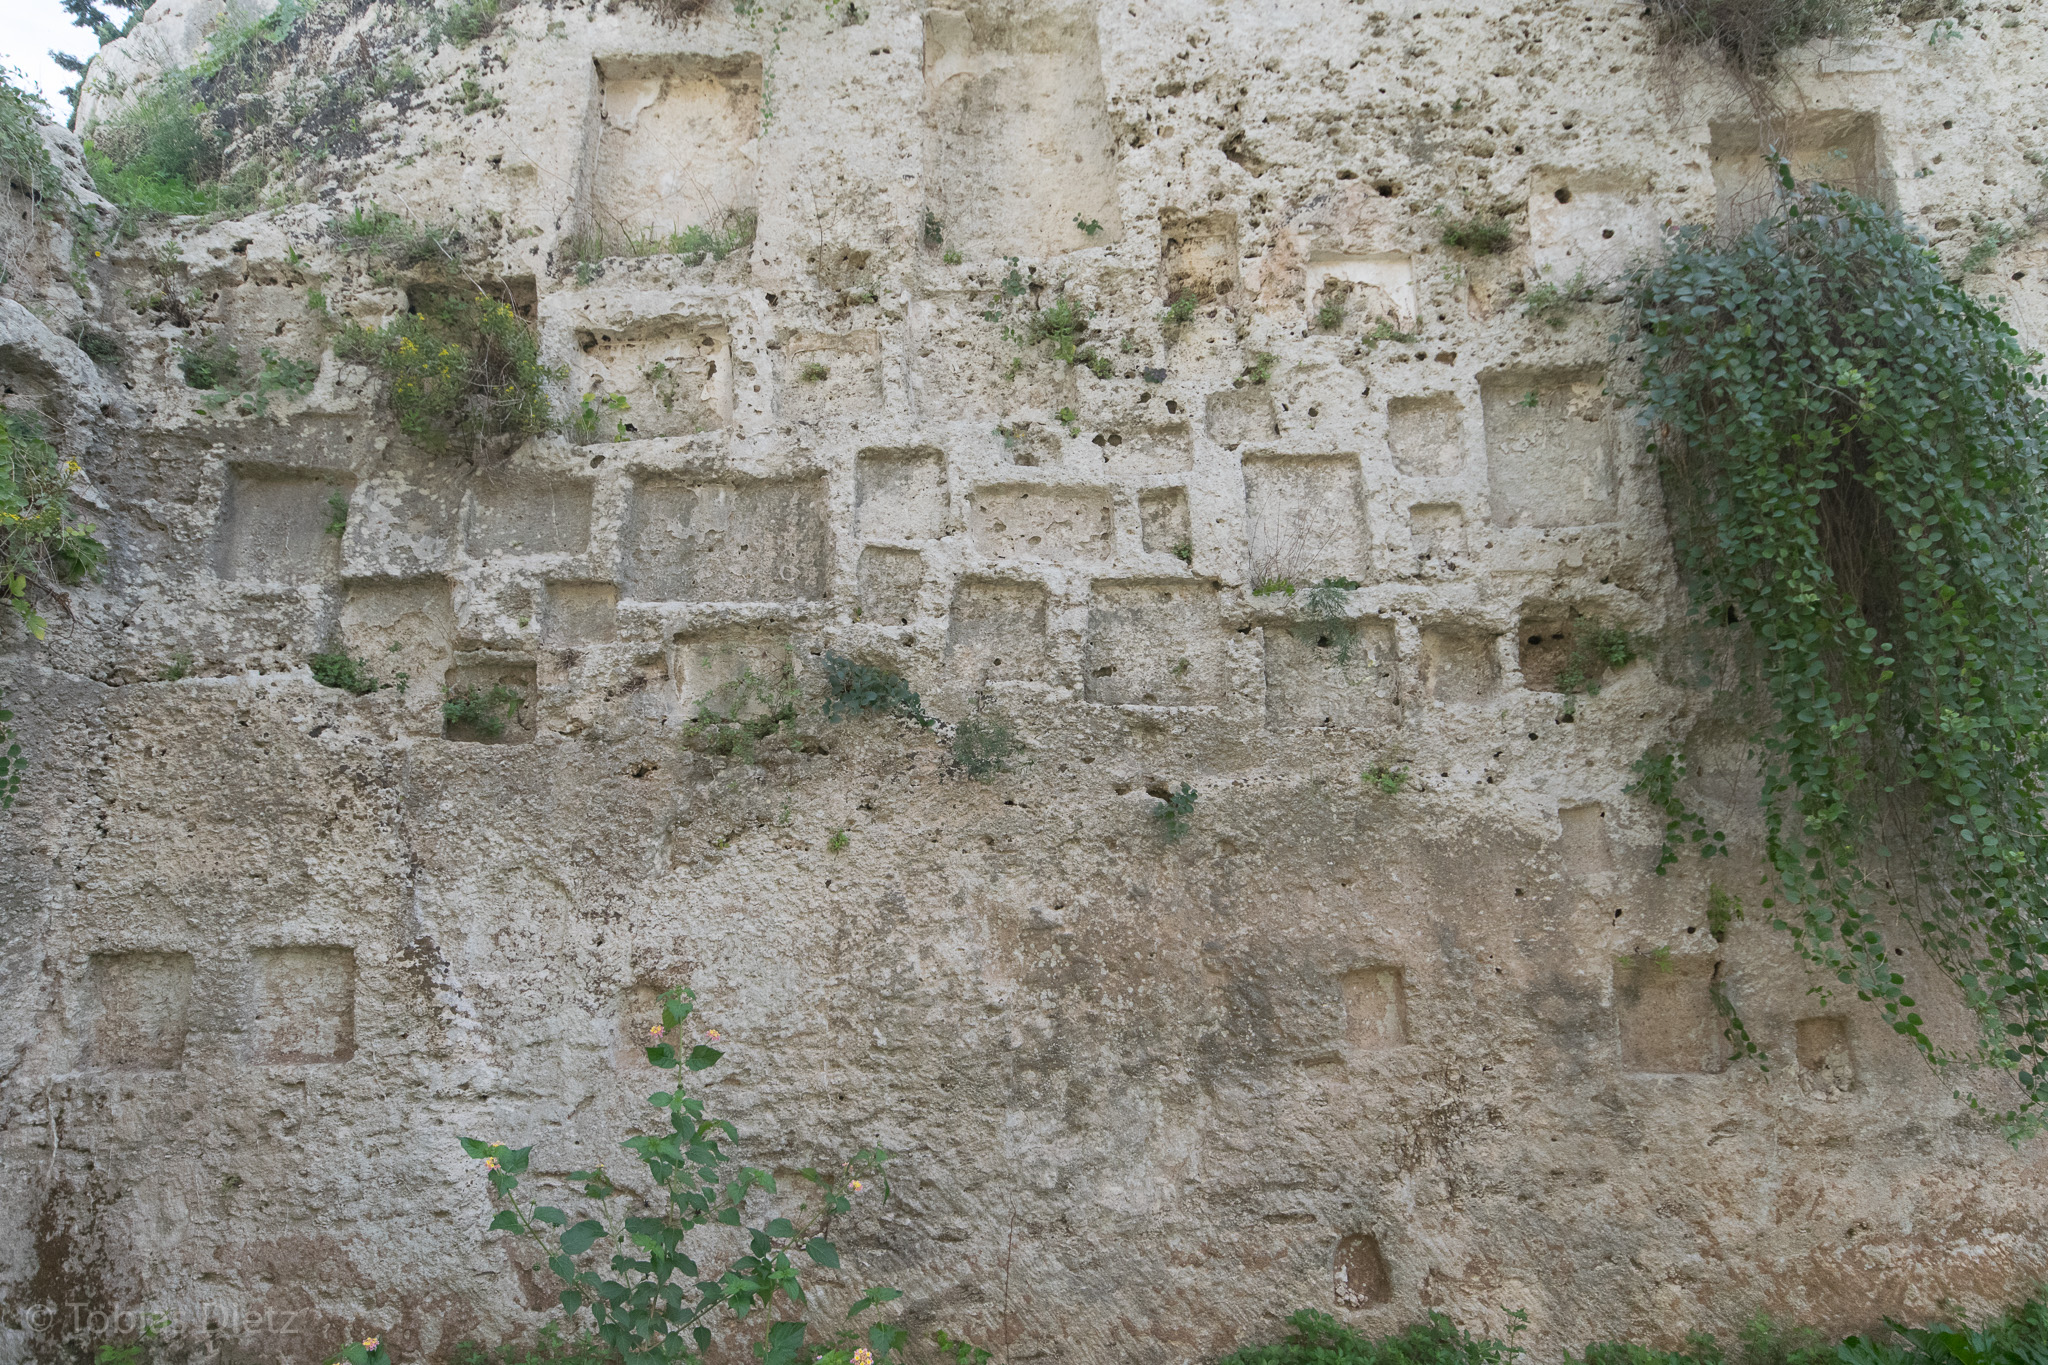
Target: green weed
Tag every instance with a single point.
(340, 670)
(1173, 811)
(484, 711)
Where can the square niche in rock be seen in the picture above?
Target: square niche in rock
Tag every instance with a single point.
(1426, 435)
(529, 516)
(282, 526)
(677, 143)
(900, 494)
(651, 378)
(490, 702)
(142, 1003)
(1666, 1015)
(1305, 518)
(727, 539)
(996, 632)
(305, 1006)
(1156, 644)
(1842, 148)
(1551, 448)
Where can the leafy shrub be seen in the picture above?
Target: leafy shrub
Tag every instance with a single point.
(983, 745)
(737, 715)
(339, 670)
(483, 711)
(392, 237)
(465, 21)
(1852, 451)
(101, 348)
(465, 373)
(39, 543)
(158, 156)
(628, 1266)
(1330, 314)
(24, 161)
(857, 689)
(213, 364)
(1554, 304)
(1180, 311)
(813, 372)
(282, 374)
(1486, 234)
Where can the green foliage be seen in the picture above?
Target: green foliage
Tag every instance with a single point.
(464, 371)
(180, 667)
(1384, 330)
(101, 348)
(281, 374)
(1554, 304)
(1723, 910)
(158, 155)
(24, 161)
(11, 761)
(952, 258)
(1388, 780)
(478, 100)
(1266, 587)
(350, 675)
(1330, 314)
(1329, 596)
(39, 543)
(549, 1349)
(934, 231)
(1173, 810)
(812, 372)
(626, 1260)
(213, 364)
(589, 415)
(1260, 370)
(735, 716)
(337, 514)
(856, 689)
(392, 237)
(1184, 551)
(693, 243)
(1657, 779)
(838, 842)
(484, 711)
(983, 746)
(1852, 452)
(1594, 651)
(1484, 234)
(465, 21)
(1180, 310)
(1317, 1338)
(1088, 226)
(1992, 238)
(1064, 325)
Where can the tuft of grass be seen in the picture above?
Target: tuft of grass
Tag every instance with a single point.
(983, 745)
(1388, 780)
(838, 842)
(484, 711)
(1554, 304)
(1330, 315)
(1486, 234)
(1750, 34)
(339, 670)
(813, 372)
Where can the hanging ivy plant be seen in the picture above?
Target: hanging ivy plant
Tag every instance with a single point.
(1852, 456)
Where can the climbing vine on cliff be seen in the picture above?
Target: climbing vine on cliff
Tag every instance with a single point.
(1852, 456)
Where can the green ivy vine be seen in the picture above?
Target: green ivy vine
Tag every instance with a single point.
(1852, 451)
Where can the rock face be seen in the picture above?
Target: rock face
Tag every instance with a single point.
(270, 947)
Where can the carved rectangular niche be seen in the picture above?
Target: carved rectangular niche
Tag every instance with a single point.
(1140, 451)
(142, 1003)
(730, 673)
(527, 516)
(888, 581)
(1235, 416)
(1826, 1065)
(305, 1006)
(1370, 288)
(996, 632)
(1163, 521)
(405, 625)
(1317, 677)
(1019, 142)
(1375, 1009)
(1426, 435)
(511, 689)
(1843, 148)
(1584, 843)
(1590, 224)
(1550, 448)
(274, 525)
(823, 376)
(1198, 255)
(676, 143)
(1155, 644)
(1459, 665)
(1666, 1015)
(728, 540)
(1305, 518)
(581, 614)
(1041, 522)
(675, 375)
(900, 494)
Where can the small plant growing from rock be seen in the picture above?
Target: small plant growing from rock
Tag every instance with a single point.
(740, 713)
(838, 842)
(952, 257)
(342, 671)
(1384, 330)
(813, 372)
(1088, 226)
(1173, 810)
(1180, 311)
(627, 1262)
(934, 231)
(1184, 551)
(1485, 234)
(1330, 314)
(856, 689)
(1387, 780)
(1260, 370)
(337, 514)
(589, 416)
(983, 745)
(211, 365)
(1554, 304)
(485, 712)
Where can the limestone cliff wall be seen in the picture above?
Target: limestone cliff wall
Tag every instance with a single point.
(270, 948)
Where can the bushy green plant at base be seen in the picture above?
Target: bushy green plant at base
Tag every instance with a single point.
(486, 711)
(737, 715)
(983, 745)
(1852, 452)
(342, 671)
(464, 373)
(854, 689)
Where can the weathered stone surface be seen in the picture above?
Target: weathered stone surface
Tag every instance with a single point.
(268, 948)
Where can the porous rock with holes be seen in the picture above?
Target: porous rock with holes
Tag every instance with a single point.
(270, 947)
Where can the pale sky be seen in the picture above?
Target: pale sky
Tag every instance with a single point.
(32, 27)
